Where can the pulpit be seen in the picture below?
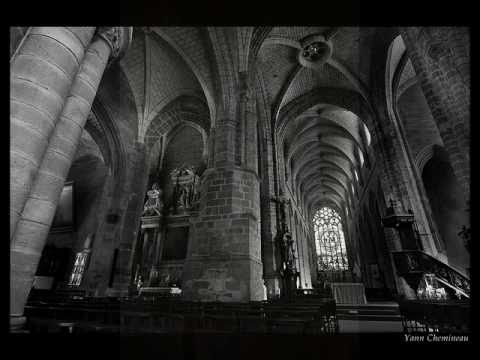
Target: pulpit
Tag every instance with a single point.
(404, 223)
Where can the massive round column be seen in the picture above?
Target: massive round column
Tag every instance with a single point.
(42, 73)
(224, 254)
(37, 215)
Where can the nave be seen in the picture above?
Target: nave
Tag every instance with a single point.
(247, 179)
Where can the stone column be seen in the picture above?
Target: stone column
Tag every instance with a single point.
(135, 187)
(147, 235)
(224, 145)
(270, 253)
(36, 218)
(42, 72)
(151, 227)
(269, 220)
(224, 254)
(251, 141)
(441, 59)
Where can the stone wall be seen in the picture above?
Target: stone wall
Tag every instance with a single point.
(224, 254)
(441, 59)
(185, 147)
(420, 128)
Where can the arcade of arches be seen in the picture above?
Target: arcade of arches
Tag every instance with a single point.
(214, 160)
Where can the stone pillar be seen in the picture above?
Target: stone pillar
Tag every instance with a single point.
(270, 254)
(441, 59)
(42, 72)
(251, 141)
(224, 260)
(224, 254)
(269, 223)
(224, 145)
(150, 229)
(137, 186)
(33, 227)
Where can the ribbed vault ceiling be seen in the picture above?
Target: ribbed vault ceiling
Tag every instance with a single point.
(323, 148)
(173, 71)
(158, 76)
(324, 145)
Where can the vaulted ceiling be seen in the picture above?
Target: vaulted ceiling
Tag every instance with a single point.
(161, 81)
(324, 142)
(321, 114)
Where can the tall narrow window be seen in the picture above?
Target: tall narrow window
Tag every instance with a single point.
(78, 268)
(329, 241)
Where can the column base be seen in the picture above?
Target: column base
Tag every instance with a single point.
(17, 324)
(273, 284)
(223, 280)
(224, 262)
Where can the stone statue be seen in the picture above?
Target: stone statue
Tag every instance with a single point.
(153, 206)
(289, 252)
(185, 193)
(139, 282)
(289, 272)
(281, 202)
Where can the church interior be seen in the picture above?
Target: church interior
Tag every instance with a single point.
(300, 180)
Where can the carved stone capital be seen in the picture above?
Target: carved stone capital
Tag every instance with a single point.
(118, 38)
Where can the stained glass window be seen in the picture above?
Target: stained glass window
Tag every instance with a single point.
(329, 241)
(78, 269)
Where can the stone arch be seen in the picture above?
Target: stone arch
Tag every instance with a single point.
(342, 98)
(393, 148)
(208, 92)
(444, 195)
(341, 130)
(183, 146)
(227, 77)
(183, 111)
(174, 131)
(424, 156)
(105, 130)
(260, 33)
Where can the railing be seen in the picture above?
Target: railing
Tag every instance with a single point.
(441, 317)
(413, 264)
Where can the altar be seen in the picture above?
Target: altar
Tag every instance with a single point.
(162, 243)
(349, 293)
(159, 292)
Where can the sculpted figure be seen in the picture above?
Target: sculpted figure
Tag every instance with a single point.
(153, 206)
(185, 191)
(290, 253)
